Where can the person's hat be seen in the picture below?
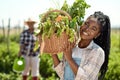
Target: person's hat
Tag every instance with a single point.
(29, 21)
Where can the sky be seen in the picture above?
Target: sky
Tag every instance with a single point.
(20, 10)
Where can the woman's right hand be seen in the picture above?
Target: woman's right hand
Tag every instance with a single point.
(68, 51)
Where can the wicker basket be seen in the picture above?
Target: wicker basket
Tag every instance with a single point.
(54, 44)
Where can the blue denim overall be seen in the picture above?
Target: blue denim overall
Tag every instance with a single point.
(68, 74)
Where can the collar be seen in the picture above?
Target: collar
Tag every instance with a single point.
(90, 46)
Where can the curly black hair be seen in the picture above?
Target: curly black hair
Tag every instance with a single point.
(103, 40)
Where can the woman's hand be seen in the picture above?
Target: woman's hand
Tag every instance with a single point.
(69, 59)
(54, 55)
(68, 51)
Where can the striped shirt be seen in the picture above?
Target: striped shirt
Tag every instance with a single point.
(28, 40)
(92, 59)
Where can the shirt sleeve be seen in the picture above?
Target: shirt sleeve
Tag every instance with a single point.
(60, 70)
(90, 68)
(21, 38)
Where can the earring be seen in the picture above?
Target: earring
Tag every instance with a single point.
(95, 37)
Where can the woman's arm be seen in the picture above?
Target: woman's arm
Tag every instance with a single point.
(58, 66)
(69, 59)
(56, 60)
(72, 63)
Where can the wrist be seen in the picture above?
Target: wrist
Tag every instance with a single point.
(68, 57)
(69, 60)
(54, 56)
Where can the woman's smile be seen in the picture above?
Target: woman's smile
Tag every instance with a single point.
(86, 34)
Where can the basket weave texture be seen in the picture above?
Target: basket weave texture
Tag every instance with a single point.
(54, 44)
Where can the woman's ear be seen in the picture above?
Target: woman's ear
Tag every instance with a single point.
(97, 35)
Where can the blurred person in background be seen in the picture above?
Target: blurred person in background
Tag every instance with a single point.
(27, 44)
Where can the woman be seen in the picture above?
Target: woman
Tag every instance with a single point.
(90, 57)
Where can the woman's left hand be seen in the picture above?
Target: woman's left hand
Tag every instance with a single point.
(68, 51)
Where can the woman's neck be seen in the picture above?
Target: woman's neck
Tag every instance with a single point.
(84, 43)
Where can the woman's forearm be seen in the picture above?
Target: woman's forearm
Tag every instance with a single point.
(73, 65)
(56, 60)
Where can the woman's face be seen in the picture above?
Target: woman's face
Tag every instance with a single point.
(90, 29)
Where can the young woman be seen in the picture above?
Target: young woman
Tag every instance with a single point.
(89, 59)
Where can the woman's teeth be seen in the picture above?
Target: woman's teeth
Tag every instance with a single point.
(85, 33)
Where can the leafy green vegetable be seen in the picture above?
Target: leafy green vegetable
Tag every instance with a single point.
(56, 23)
(77, 10)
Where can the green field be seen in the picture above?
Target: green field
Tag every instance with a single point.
(7, 57)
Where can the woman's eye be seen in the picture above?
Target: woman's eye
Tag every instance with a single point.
(94, 29)
(85, 23)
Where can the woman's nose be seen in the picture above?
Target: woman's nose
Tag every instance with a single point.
(86, 28)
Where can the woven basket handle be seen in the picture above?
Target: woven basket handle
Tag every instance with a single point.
(60, 11)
